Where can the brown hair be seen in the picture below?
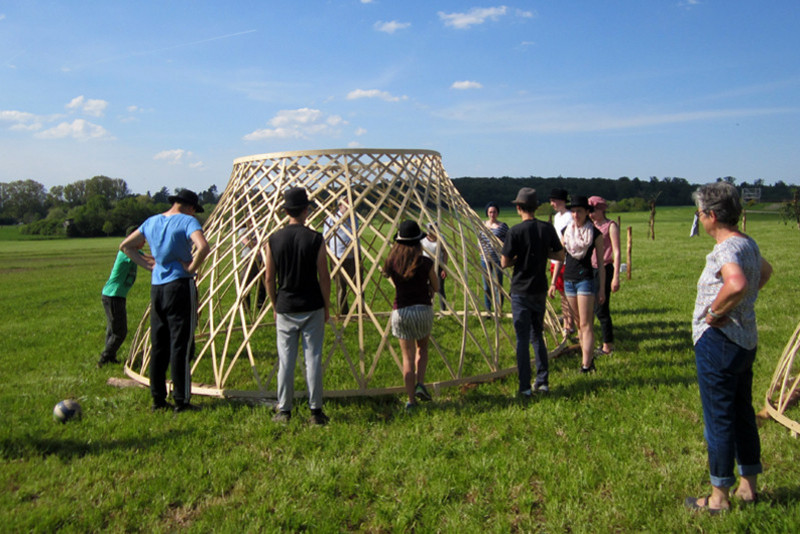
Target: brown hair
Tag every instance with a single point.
(403, 259)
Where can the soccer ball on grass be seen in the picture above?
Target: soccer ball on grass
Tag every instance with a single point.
(66, 410)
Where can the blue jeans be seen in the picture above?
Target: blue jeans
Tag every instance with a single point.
(494, 270)
(528, 314)
(725, 377)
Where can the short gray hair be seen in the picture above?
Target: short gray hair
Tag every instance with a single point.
(722, 198)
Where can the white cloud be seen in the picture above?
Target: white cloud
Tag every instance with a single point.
(132, 109)
(374, 93)
(466, 84)
(79, 129)
(366, 1)
(298, 124)
(353, 144)
(174, 156)
(688, 4)
(17, 116)
(476, 15)
(526, 14)
(199, 165)
(391, 26)
(2, 16)
(361, 131)
(93, 107)
(20, 127)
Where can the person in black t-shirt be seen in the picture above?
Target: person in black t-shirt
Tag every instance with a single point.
(581, 241)
(527, 247)
(299, 286)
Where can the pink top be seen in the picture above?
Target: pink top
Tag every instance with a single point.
(608, 253)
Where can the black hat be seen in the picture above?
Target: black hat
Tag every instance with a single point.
(558, 194)
(580, 201)
(527, 197)
(185, 196)
(295, 198)
(409, 232)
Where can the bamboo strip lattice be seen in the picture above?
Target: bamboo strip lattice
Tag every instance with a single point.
(784, 391)
(235, 341)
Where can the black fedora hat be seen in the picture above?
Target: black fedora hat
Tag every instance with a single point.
(295, 198)
(409, 232)
(558, 194)
(185, 196)
(580, 201)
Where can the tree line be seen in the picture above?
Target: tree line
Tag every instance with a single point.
(99, 206)
(103, 206)
(627, 194)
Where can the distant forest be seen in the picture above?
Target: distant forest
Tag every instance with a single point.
(630, 193)
(106, 206)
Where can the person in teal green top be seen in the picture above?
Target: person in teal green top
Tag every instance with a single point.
(114, 296)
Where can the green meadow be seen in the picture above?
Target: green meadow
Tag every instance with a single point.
(615, 451)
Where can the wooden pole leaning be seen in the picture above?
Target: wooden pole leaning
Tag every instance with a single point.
(236, 352)
(784, 390)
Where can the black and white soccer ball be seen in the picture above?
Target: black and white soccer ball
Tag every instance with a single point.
(67, 410)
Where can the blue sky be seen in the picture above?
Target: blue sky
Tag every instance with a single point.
(169, 93)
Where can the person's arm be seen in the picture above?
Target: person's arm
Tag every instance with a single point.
(733, 290)
(131, 246)
(613, 233)
(433, 280)
(324, 280)
(201, 251)
(766, 273)
(599, 250)
(272, 288)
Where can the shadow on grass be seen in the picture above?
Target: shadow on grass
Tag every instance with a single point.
(67, 449)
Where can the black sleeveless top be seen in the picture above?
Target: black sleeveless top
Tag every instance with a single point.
(294, 250)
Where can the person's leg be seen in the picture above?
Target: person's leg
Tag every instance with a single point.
(585, 307)
(538, 307)
(603, 311)
(499, 295)
(486, 275)
(288, 335)
(422, 359)
(313, 337)
(522, 328)
(714, 355)
(567, 313)
(748, 444)
(409, 349)
(159, 346)
(117, 327)
(181, 306)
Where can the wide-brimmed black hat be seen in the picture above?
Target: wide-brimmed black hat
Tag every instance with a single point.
(527, 197)
(409, 232)
(580, 201)
(559, 194)
(295, 198)
(185, 196)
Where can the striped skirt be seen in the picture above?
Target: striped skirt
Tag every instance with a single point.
(412, 322)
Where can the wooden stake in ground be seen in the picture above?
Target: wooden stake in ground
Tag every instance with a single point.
(235, 343)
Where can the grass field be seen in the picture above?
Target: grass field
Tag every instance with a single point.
(616, 451)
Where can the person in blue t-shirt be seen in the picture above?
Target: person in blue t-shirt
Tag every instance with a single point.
(173, 294)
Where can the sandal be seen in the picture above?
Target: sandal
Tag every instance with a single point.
(692, 504)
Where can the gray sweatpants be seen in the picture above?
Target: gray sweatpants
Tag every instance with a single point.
(291, 328)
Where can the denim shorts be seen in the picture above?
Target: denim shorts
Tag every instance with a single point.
(573, 288)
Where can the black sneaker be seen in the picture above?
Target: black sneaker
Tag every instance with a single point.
(162, 405)
(282, 417)
(542, 388)
(421, 392)
(590, 369)
(186, 407)
(318, 417)
(103, 360)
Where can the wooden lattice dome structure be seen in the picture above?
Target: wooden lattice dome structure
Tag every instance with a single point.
(783, 395)
(235, 340)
